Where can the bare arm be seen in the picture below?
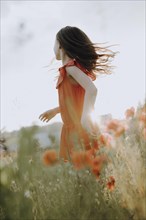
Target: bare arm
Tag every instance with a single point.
(90, 93)
(48, 115)
(57, 110)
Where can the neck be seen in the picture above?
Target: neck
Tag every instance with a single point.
(65, 59)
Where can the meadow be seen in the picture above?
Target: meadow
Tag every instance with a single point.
(107, 182)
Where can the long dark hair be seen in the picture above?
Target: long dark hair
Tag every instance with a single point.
(91, 56)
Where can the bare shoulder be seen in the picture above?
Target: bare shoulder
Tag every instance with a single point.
(80, 77)
(76, 73)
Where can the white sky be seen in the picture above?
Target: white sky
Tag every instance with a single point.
(28, 89)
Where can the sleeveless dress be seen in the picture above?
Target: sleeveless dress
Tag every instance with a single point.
(71, 100)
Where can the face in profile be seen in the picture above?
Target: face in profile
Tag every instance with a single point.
(57, 49)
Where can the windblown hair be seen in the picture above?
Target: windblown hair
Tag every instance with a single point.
(91, 56)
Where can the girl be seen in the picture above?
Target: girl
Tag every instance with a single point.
(81, 61)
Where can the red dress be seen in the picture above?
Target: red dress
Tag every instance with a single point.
(71, 100)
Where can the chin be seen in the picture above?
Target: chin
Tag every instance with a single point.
(58, 58)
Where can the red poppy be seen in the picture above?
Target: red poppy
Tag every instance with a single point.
(130, 112)
(50, 157)
(91, 153)
(95, 144)
(82, 159)
(117, 127)
(97, 164)
(105, 139)
(96, 172)
(120, 130)
(111, 183)
(113, 124)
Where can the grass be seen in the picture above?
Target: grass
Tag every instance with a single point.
(31, 190)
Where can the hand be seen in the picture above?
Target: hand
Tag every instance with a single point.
(48, 115)
(90, 126)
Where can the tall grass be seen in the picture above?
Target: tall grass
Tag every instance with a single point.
(30, 190)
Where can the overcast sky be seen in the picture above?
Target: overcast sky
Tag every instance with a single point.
(28, 30)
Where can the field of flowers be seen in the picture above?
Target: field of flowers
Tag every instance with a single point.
(107, 182)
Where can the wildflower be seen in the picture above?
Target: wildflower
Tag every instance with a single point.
(129, 113)
(113, 124)
(96, 172)
(120, 130)
(105, 139)
(89, 156)
(91, 153)
(97, 164)
(95, 144)
(111, 183)
(117, 127)
(83, 159)
(142, 118)
(78, 159)
(50, 157)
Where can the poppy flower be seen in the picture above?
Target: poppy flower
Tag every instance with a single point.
(97, 164)
(130, 112)
(82, 159)
(96, 172)
(91, 153)
(99, 160)
(111, 183)
(105, 139)
(94, 143)
(50, 157)
(113, 124)
(120, 130)
(142, 118)
(117, 127)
